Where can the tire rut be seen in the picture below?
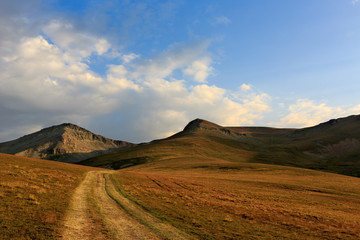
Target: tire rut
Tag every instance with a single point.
(99, 211)
(165, 230)
(78, 220)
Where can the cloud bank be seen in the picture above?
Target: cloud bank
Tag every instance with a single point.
(46, 78)
(306, 113)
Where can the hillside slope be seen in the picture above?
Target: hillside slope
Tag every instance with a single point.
(247, 200)
(332, 146)
(34, 196)
(66, 142)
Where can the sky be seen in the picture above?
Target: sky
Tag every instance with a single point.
(141, 70)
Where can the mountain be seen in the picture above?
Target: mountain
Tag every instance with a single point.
(332, 146)
(66, 142)
(211, 174)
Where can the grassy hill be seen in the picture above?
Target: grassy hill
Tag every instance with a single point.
(333, 146)
(210, 181)
(34, 196)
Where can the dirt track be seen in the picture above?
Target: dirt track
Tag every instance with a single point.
(99, 211)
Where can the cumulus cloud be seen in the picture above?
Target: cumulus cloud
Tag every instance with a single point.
(165, 107)
(305, 113)
(44, 83)
(117, 80)
(47, 79)
(177, 57)
(76, 43)
(199, 69)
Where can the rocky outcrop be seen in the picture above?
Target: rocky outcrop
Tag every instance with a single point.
(66, 142)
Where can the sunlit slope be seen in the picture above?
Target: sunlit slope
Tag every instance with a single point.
(248, 200)
(201, 142)
(189, 148)
(34, 196)
(332, 146)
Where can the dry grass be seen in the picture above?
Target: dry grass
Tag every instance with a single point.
(34, 196)
(249, 201)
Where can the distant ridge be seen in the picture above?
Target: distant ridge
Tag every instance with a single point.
(66, 142)
(332, 146)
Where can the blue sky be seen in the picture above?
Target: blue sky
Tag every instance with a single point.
(140, 70)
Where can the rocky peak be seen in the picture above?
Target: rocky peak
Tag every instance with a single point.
(203, 125)
(200, 124)
(65, 142)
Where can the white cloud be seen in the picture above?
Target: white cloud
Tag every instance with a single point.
(355, 110)
(102, 46)
(176, 58)
(305, 113)
(75, 42)
(117, 80)
(199, 69)
(354, 2)
(205, 94)
(245, 87)
(164, 107)
(47, 79)
(129, 57)
(39, 76)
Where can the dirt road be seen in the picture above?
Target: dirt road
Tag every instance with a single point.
(98, 210)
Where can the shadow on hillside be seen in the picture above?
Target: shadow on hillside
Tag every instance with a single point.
(77, 157)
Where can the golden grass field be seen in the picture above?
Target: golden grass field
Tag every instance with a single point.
(248, 201)
(216, 200)
(34, 196)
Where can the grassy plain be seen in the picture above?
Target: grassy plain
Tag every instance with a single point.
(34, 196)
(248, 201)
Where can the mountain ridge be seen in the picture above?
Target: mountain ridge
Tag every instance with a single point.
(66, 142)
(332, 146)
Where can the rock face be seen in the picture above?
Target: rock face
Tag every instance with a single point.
(66, 142)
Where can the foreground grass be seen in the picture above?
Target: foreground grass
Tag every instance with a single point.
(248, 201)
(34, 196)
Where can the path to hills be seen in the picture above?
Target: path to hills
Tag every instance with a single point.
(98, 210)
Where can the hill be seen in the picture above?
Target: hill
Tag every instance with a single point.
(215, 178)
(66, 142)
(332, 146)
